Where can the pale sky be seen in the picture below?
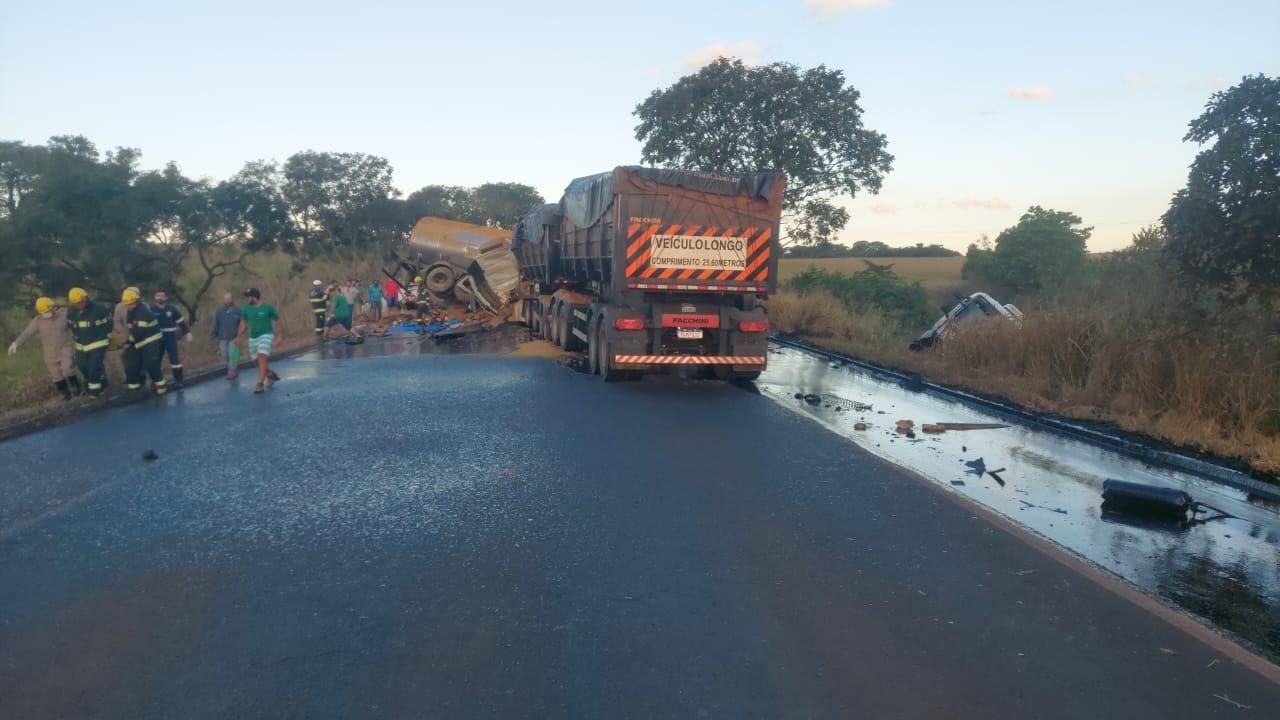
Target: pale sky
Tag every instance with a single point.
(990, 106)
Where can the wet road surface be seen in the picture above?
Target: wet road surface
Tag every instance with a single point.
(1225, 570)
(356, 543)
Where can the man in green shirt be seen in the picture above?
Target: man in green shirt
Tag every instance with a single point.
(262, 324)
(340, 318)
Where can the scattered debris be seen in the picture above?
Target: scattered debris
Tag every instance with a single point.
(996, 474)
(970, 426)
(813, 399)
(977, 467)
(1060, 511)
(934, 429)
(1227, 699)
(1211, 663)
(54, 502)
(860, 426)
(1025, 572)
(957, 482)
(1167, 651)
(149, 455)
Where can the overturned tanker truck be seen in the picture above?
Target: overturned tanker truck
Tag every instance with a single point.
(647, 269)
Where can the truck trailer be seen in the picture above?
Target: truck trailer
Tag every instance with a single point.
(648, 269)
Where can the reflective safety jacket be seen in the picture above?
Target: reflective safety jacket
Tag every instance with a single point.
(144, 329)
(90, 327)
(170, 318)
(319, 301)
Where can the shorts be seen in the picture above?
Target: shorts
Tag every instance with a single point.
(344, 322)
(261, 345)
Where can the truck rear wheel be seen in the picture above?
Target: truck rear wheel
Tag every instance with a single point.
(604, 356)
(553, 324)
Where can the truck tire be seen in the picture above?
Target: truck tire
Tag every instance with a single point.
(558, 325)
(440, 279)
(605, 367)
(593, 349)
(570, 343)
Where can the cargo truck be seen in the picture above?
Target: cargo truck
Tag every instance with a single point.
(648, 269)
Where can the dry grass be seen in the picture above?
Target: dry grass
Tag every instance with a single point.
(1181, 387)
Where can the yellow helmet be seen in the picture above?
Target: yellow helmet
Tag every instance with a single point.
(77, 295)
(417, 278)
(43, 305)
(130, 295)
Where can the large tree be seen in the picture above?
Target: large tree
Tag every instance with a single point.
(80, 219)
(502, 202)
(1045, 248)
(734, 117)
(342, 199)
(1224, 226)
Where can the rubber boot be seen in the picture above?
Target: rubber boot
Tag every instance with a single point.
(177, 378)
(74, 383)
(62, 389)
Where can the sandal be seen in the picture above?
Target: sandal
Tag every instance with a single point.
(257, 389)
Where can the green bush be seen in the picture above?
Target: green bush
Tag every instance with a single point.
(876, 289)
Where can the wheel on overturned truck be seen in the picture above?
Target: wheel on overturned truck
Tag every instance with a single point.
(440, 279)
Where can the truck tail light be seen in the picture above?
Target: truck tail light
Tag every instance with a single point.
(754, 326)
(628, 324)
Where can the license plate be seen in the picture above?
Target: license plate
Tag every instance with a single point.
(688, 334)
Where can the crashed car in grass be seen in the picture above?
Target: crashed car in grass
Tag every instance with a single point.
(978, 306)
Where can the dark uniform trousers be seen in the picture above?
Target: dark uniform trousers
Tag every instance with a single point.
(319, 305)
(143, 350)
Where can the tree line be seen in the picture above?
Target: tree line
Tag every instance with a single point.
(73, 215)
(869, 249)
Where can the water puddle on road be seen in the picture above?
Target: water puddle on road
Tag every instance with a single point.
(1226, 571)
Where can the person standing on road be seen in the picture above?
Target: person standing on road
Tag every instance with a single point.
(90, 325)
(341, 317)
(390, 291)
(224, 329)
(50, 323)
(374, 295)
(319, 305)
(261, 323)
(143, 344)
(173, 324)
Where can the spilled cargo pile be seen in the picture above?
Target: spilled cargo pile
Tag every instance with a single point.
(453, 280)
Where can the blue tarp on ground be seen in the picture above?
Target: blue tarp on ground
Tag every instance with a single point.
(421, 328)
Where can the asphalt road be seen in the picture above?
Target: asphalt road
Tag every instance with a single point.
(477, 536)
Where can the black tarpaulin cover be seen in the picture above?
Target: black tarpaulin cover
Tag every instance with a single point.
(587, 198)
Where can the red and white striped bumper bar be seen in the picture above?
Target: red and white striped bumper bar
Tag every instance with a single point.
(689, 359)
(697, 288)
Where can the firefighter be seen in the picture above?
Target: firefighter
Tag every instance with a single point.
(143, 344)
(55, 342)
(173, 325)
(409, 297)
(319, 306)
(90, 325)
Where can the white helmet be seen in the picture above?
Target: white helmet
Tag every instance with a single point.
(316, 283)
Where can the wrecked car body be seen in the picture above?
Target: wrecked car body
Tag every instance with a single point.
(976, 307)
